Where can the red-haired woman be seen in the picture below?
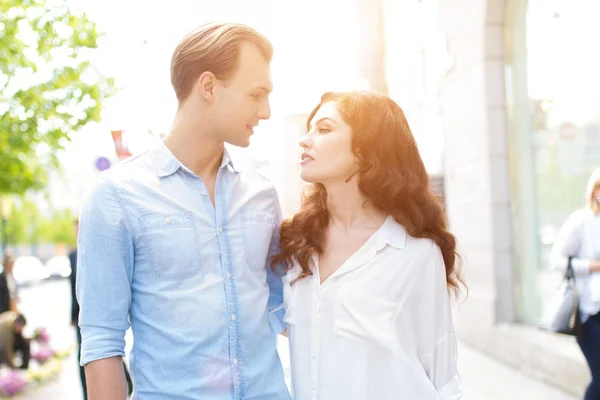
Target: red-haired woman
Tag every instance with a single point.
(371, 262)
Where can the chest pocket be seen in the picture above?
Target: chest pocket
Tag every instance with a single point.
(366, 320)
(258, 227)
(171, 241)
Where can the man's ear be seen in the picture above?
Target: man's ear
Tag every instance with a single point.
(207, 82)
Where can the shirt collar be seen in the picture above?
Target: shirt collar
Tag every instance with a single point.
(165, 163)
(391, 233)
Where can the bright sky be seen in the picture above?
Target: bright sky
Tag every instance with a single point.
(140, 37)
(136, 50)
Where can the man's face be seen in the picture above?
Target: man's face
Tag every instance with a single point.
(243, 101)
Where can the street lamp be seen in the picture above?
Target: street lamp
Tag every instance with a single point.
(5, 207)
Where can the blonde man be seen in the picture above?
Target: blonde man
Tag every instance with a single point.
(175, 242)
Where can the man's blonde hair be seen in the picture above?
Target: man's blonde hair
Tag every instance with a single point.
(213, 47)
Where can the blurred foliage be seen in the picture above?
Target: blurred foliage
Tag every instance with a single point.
(48, 88)
(25, 225)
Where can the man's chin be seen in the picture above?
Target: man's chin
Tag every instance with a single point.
(241, 142)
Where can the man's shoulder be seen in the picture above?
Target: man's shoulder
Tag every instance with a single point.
(120, 178)
(130, 169)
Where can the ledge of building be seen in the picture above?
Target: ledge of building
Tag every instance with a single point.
(552, 358)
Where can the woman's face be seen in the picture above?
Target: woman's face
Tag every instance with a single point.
(327, 157)
(596, 193)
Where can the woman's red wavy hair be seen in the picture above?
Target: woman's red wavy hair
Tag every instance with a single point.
(391, 175)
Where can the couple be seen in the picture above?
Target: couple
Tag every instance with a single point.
(186, 245)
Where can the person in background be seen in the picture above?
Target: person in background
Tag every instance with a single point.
(12, 340)
(8, 285)
(579, 238)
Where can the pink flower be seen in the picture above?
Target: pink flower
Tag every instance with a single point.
(41, 335)
(42, 354)
(12, 383)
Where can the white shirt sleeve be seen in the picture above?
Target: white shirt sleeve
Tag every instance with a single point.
(436, 342)
(568, 243)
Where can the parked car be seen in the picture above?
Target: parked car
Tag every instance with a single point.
(58, 267)
(29, 270)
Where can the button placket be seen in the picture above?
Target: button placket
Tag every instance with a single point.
(315, 340)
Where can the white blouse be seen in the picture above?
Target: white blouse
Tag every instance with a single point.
(379, 328)
(579, 237)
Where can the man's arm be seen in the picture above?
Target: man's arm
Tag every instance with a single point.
(104, 275)
(274, 275)
(106, 379)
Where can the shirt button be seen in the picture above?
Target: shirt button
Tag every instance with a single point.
(233, 317)
(259, 214)
(228, 276)
(221, 230)
(204, 193)
(235, 361)
(168, 220)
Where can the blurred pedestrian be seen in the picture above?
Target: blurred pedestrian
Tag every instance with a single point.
(12, 340)
(579, 238)
(8, 285)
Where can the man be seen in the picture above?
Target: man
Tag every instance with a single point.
(12, 340)
(176, 242)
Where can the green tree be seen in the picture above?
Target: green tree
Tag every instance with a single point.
(16, 227)
(48, 87)
(59, 228)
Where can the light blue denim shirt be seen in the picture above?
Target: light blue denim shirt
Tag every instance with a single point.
(190, 278)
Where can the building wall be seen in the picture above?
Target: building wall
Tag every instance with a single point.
(476, 158)
(481, 200)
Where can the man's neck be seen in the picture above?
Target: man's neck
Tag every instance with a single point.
(195, 146)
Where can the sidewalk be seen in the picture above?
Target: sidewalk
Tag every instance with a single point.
(486, 379)
(483, 379)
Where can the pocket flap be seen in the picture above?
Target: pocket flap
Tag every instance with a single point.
(370, 321)
(165, 221)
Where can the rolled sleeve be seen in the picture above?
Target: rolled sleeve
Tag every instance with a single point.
(437, 344)
(105, 265)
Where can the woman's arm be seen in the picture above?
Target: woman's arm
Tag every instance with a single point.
(437, 346)
(568, 244)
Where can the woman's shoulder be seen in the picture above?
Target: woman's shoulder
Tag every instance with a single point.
(579, 217)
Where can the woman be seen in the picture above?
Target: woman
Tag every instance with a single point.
(371, 262)
(579, 238)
